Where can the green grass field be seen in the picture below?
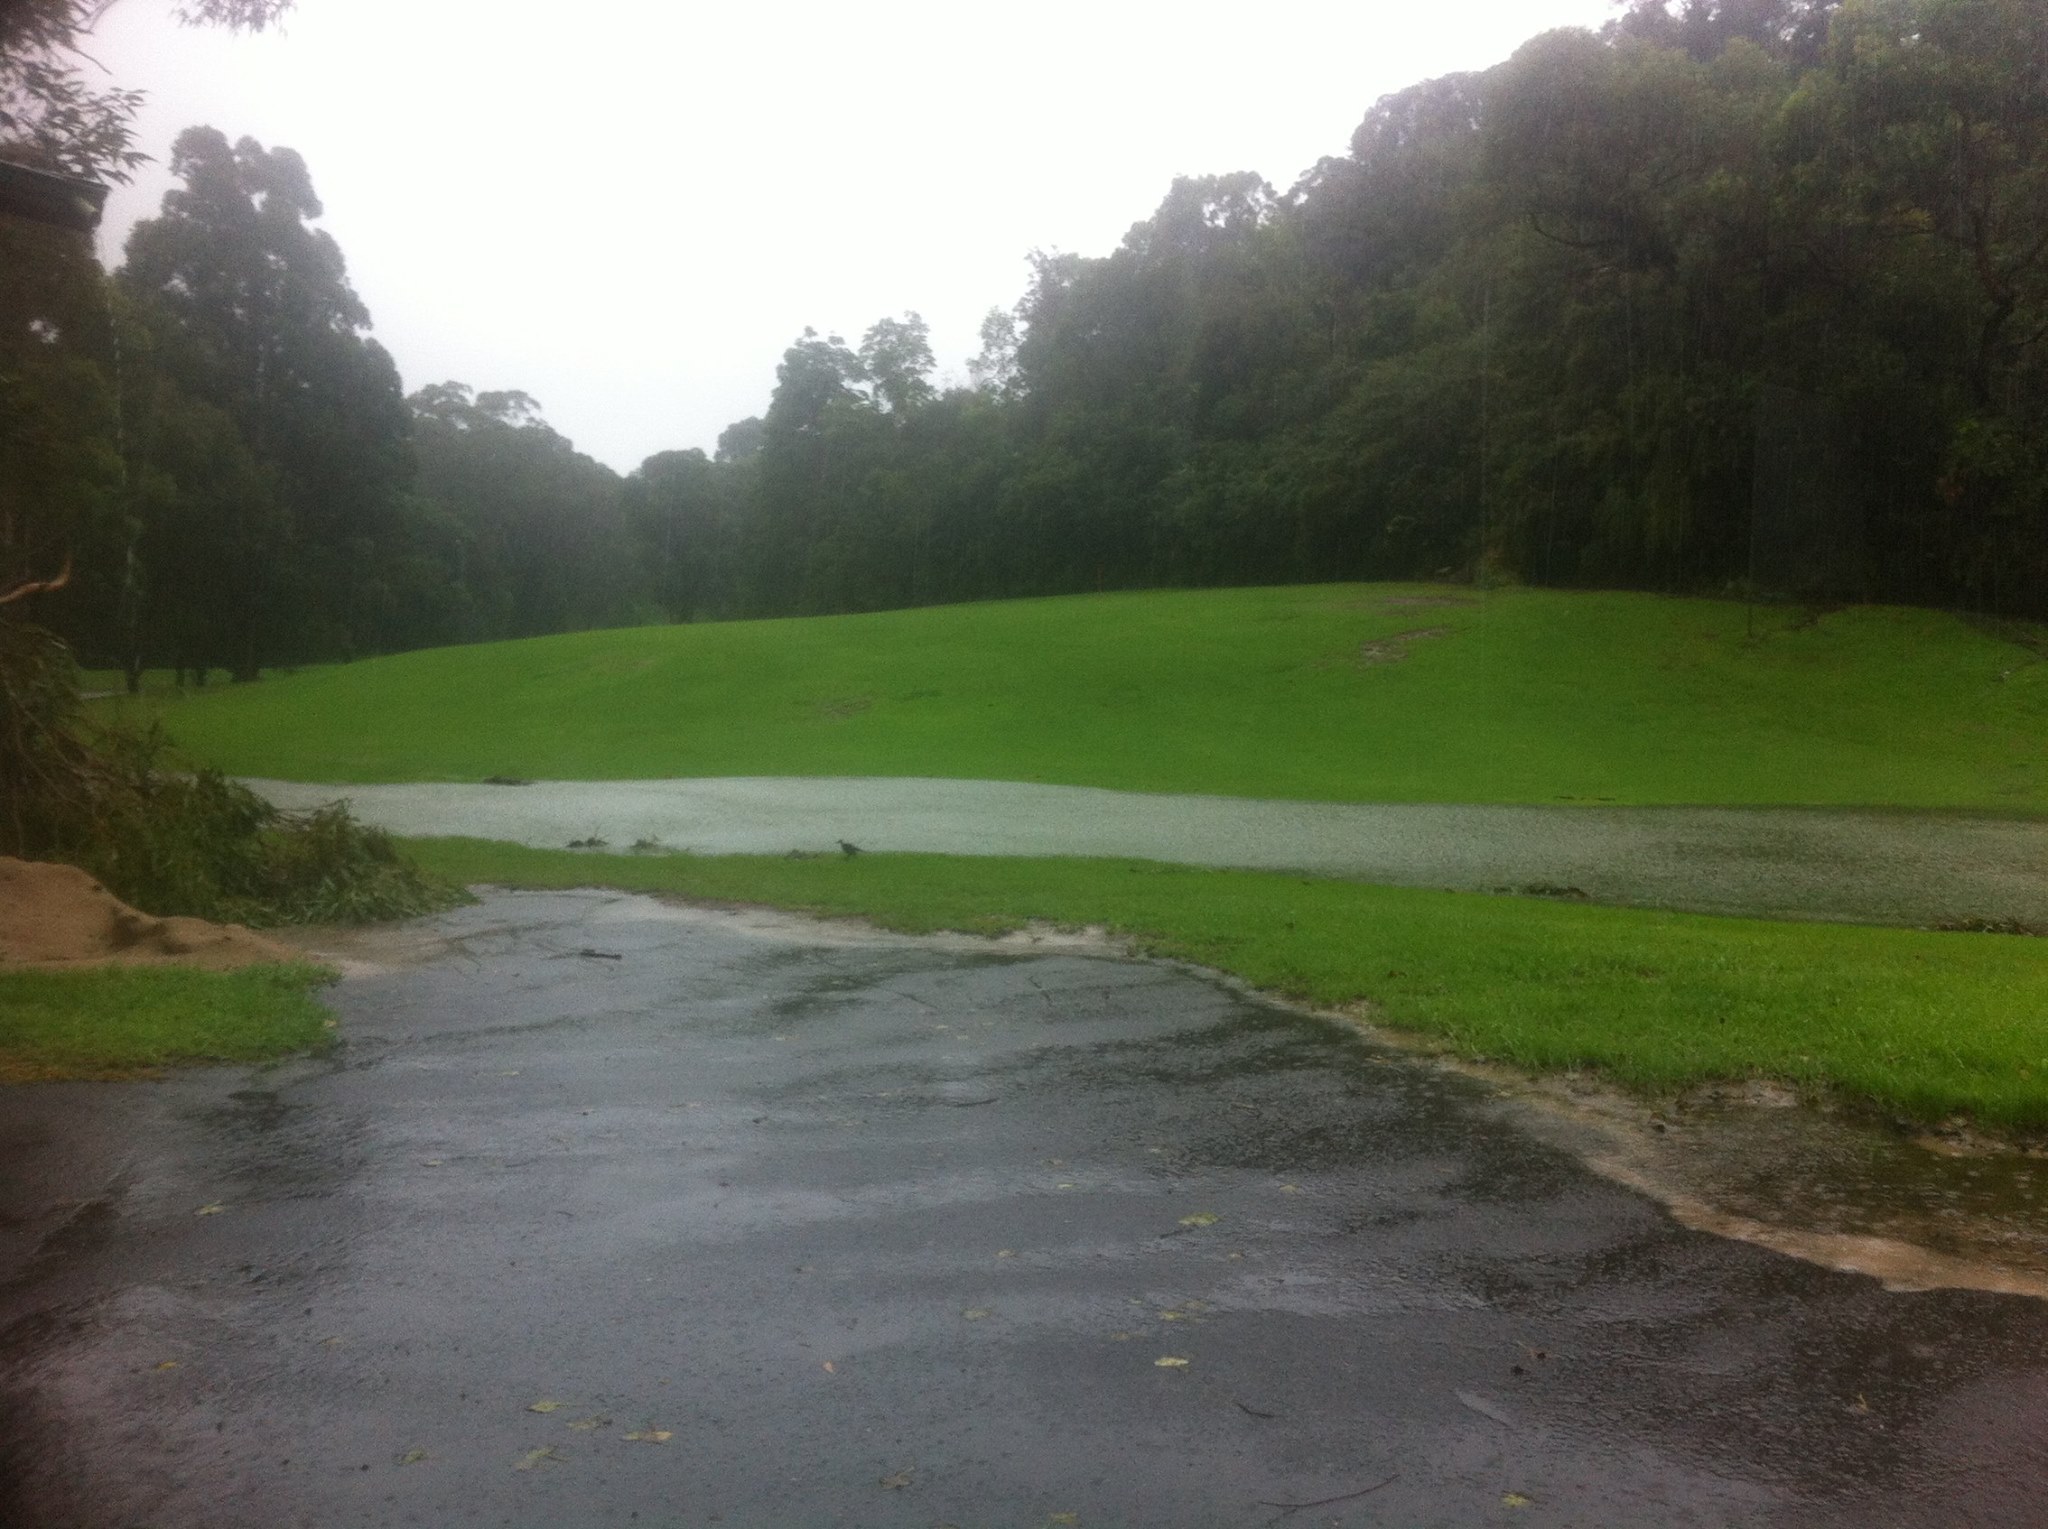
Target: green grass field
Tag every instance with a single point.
(114, 1021)
(1920, 1025)
(1360, 693)
(1310, 693)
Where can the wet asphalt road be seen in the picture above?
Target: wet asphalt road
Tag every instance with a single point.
(1858, 865)
(879, 1231)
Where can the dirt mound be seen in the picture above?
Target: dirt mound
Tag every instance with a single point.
(55, 916)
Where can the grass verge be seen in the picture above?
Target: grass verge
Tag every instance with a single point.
(1322, 692)
(1921, 1025)
(115, 1021)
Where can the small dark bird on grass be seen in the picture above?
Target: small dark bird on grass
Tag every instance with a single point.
(848, 850)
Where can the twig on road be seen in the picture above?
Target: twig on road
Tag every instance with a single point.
(1324, 1502)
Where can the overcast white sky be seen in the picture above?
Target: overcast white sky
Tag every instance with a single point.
(630, 210)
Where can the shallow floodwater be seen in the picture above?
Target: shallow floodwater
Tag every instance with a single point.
(1860, 866)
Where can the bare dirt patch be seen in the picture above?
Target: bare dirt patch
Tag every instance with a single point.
(1405, 602)
(53, 917)
(1391, 650)
(844, 708)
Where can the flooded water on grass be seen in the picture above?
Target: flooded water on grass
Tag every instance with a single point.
(1857, 866)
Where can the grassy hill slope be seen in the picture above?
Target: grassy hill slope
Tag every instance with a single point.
(1329, 692)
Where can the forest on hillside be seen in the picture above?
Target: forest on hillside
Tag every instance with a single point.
(1733, 295)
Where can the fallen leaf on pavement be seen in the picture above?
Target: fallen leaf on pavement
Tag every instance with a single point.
(168, 1364)
(210, 1210)
(650, 1436)
(543, 1406)
(1201, 1218)
(535, 1457)
(412, 1457)
(828, 1368)
(1171, 1362)
(1513, 1500)
(976, 1313)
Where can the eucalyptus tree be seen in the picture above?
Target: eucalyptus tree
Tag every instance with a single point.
(539, 544)
(55, 112)
(682, 511)
(268, 330)
(1793, 30)
(994, 367)
(896, 362)
(59, 467)
(60, 436)
(1929, 175)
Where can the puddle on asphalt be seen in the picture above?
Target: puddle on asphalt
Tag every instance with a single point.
(367, 951)
(1750, 1163)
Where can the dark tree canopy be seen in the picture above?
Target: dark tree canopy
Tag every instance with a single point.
(1642, 307)
(535, 531)
(52, 113)
(264, 327)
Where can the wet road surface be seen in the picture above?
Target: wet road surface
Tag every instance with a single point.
(856, 1229)
(1856, 865)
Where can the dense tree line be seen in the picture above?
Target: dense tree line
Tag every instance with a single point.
(1731, 279)
(1735, 290)
(181, 455)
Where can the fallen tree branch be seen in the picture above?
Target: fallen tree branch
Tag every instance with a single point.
(39, 586)
(1324, 1502)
